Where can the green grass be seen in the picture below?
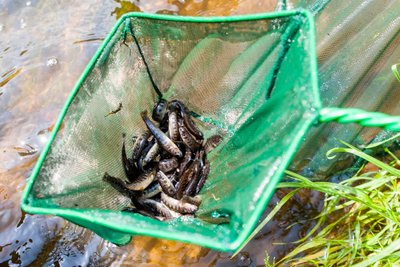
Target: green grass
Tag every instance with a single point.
(396, 71)
(367, 230)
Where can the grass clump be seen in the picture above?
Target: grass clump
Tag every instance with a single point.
(360, 222)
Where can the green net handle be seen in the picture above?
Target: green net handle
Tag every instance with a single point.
(362, 117)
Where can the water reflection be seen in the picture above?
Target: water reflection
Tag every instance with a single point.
(44, 47)
(126, 6)
(9, 75)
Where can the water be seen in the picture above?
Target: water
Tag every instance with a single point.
(44, 47)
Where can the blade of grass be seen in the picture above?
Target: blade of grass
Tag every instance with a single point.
(373, 145)
(309, 257)
(338, 189)
(355, 247)
(368, 233)
(396, 71)
(353, 150)
(387, 251)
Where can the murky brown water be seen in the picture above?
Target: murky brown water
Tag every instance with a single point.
(44, 47)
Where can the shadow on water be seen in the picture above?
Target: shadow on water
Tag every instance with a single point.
(44, 47)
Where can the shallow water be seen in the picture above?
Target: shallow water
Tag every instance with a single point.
(44, 47)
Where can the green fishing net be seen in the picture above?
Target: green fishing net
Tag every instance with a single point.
(251, 79)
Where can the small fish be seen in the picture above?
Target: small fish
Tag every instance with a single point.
(142, 182)
(167, 165)
(191, 187)
(140, 162)
(173, 126)
(196, 200)
(166, 184)
(130, 169)
(119, 185)
(187, 138)
(151, 154)
(131, 209)
(185, 179)
(162, 139)
(179, 206)
(185, 162)
(212, 143)
(162, 209)
(160, 110)
(139, 144)
(163, 126)
(152, 190)
(192, 127)
(114, 111)
(147, 206)
(173, 178)
(176, 104)
(203, 177)
(192, 184)
(142, 211)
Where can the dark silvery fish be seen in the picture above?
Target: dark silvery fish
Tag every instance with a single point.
(187, 138)
(185, 162)
(176, 104)
(162, 139)
(192, 127)
(152, 190)
(130, 168)
(151, 154)
(160, 110)
(142, 182)
(203, 177)
(184, 180)
(173, 129)
(179, 206)
(145, 211)
(139, 143)
(192, 184)
(119, 185)
(140, 162)
(166, 184)
(196, 200)
(167, 165)
(161, 208)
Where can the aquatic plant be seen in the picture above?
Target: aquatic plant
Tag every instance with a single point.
(359, 224)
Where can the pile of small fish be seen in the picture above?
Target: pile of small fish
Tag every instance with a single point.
(168, 166)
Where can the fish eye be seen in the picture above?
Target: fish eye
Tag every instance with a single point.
(161, 107)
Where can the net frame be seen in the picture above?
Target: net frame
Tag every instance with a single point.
(120, 235)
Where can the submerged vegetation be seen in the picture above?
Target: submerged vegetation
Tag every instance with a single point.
(359, 224)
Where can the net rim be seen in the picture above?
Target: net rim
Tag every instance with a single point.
(79, 214)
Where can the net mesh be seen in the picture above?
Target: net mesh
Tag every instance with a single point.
(357, 43)
(249, 81)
